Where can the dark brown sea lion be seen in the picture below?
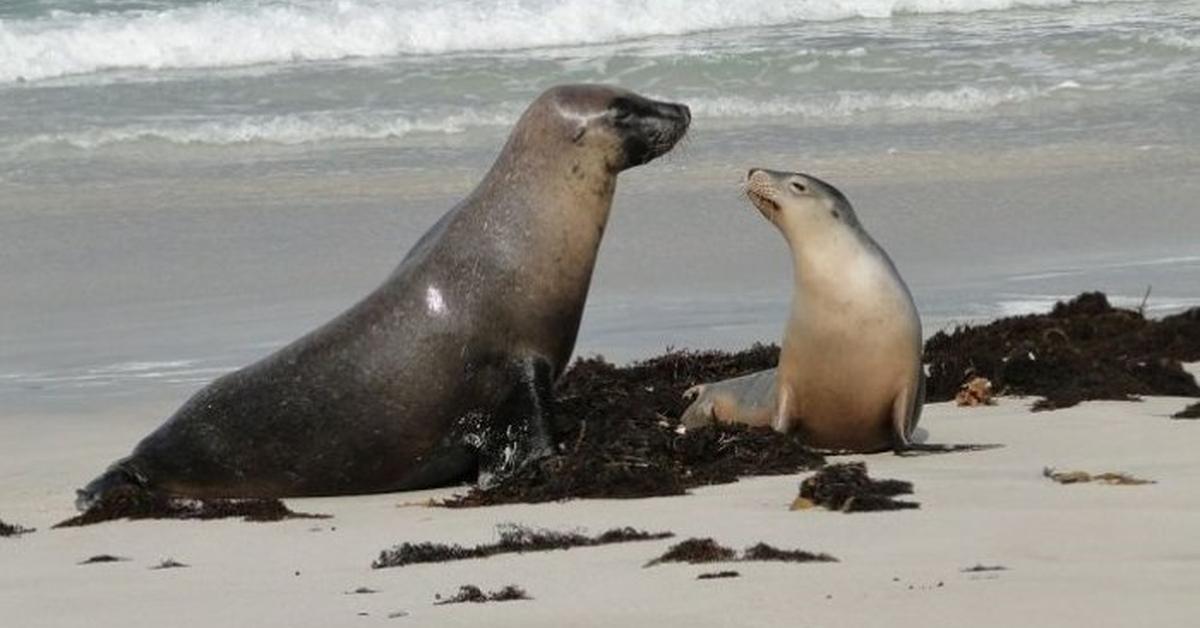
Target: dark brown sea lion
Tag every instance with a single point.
(448, 366)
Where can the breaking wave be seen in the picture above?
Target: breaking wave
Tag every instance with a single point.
(235, 32)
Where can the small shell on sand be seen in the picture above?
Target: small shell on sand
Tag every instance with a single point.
(1081, 477)
(977, 392)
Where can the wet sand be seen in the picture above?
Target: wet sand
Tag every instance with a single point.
(146, 283)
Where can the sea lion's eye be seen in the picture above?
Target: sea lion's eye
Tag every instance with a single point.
(798, 187)
(622, 110)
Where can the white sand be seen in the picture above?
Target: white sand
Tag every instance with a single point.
(1080, 555)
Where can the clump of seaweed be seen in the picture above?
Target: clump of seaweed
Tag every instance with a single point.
(620, 440)
(10, 529)
(980, 568)
(135, 503)
(847, 488)
(1081, 350)
(694, 552)
(169, 563)
(103, 558)
(700, 551)
(1190, 412)
(473, 594)
(763, 552)
(514, 539)
(715, 575)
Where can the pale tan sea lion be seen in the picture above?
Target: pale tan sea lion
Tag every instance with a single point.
(849, 375)
(447, 366)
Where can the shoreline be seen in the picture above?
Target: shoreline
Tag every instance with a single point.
(224, 271)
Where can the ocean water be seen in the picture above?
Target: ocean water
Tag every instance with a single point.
(186, 184)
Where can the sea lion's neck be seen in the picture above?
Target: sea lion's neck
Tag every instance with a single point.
(558, 193)
(834, 269)
(833, 255)
(543, 213)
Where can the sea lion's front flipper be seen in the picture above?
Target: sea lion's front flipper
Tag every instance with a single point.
(522, 425)
(449, 464)
(908, 414)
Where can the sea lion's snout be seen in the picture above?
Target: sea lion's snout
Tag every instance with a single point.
(681, 110)
(762, 191)
(116, 478)
(648, 128)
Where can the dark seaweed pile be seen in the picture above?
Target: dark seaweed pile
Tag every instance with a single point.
(980, 567)
(9, 529)
(513, 539)
(715, 575)
(1083, 349)
(699, 551)
(103, 558)
(846, 487)
(619, 440)
(132, 503)
(1190, 412)
(472, 593)
(169, 563)
(695, 552)
(763, 552)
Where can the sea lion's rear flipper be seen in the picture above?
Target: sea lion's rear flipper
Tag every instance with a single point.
(748, 399)
(522, 431)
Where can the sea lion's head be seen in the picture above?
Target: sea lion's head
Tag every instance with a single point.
(590, 125)
(798, 203)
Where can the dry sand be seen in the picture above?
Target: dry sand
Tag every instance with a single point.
(1079, 555)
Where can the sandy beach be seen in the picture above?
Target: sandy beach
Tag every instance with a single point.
(188, 185)
(1075, 555)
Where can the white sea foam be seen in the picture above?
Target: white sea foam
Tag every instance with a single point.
(281, 129)
(140, 367)
(846, 104)
(1174, 39)
(302, 128)
(235, 32)
(1050, 274)
(171, 371)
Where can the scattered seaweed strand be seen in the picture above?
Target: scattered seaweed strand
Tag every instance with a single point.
(133, 503)
(514, 539)
(473, 594)
(696, 551)
(11, 529)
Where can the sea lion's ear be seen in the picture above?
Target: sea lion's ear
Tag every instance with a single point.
(579, 133)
